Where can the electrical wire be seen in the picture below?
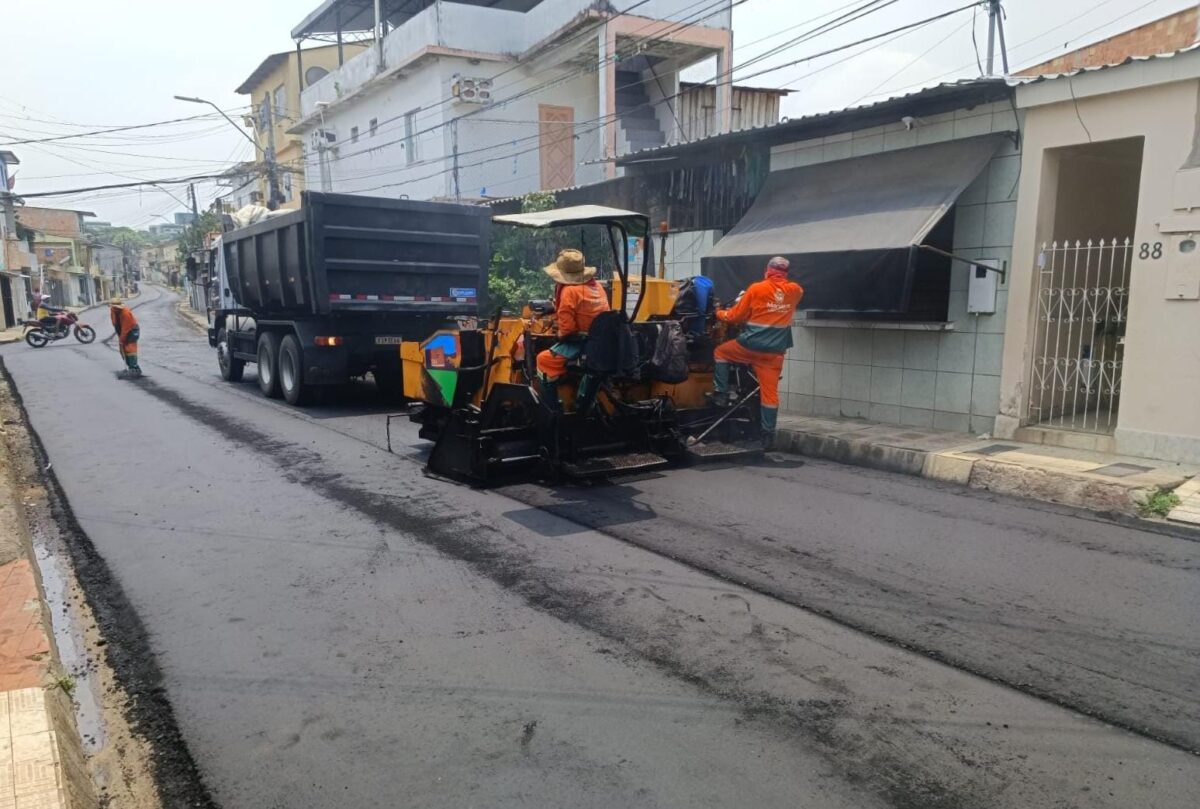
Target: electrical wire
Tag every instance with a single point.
(863, 10)
(863, 40)
(105, 131)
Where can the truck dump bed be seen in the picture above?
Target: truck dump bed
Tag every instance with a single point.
(342, 252)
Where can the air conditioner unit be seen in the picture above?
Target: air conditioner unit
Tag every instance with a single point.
(470, 90)
(325, 137)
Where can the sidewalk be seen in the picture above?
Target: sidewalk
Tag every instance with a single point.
(198, 319)
(41, 757)
(1090, 480)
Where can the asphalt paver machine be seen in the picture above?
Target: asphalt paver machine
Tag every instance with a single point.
(648, 366)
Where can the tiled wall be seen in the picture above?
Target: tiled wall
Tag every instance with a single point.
(684, 251)
(944, 379)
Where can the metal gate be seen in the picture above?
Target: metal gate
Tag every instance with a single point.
(1079, 342)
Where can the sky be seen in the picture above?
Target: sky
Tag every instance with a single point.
(78, 65)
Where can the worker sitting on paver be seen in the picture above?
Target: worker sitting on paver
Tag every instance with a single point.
(578, 298)
(765, 311)
(128, 332)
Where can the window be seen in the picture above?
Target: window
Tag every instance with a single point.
(287, 186)
(373, 124)
(264, 113)
(280, 103)
(410, 138)
(314, 75)
(354, 134)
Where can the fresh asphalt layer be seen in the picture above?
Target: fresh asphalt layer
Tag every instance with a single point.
(333, 628)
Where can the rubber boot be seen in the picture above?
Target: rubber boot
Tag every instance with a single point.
(548, 392)
(585, 395)
(769, 416)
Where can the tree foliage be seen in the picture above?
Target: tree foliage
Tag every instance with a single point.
(515, 274)
(192, 238)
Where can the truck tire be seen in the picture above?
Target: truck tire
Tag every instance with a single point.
(231, 367)
(291, 372)
(268, 364)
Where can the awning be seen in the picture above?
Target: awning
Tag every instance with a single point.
(850, 227)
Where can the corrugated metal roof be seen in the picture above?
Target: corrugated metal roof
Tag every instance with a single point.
(965, 91)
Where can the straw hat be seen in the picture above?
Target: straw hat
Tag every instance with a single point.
(116, 301)
(569, 268)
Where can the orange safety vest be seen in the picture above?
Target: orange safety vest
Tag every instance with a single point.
(577, 305)
(767, 309)
(123, 321)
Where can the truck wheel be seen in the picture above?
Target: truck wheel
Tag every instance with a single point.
(291, 372)
(268, 364)
(231, 367)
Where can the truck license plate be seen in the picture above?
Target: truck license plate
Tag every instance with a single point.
(388, 340)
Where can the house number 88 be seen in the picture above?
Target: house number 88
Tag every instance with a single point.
(1148, 250)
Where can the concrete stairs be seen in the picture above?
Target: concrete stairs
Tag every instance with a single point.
(638, 121)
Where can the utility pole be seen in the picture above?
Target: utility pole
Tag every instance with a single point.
(996, 28)
(274, 197)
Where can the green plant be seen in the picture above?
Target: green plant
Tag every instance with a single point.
(1159, 504)
(66, 684)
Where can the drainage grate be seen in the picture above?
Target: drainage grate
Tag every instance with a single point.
(1121, 470)
(994, 449)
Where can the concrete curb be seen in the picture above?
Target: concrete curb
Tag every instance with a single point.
(966, 462)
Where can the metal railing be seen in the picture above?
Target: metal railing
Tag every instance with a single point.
(1079, 342)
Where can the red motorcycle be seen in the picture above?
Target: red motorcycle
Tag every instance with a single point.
(38, 334)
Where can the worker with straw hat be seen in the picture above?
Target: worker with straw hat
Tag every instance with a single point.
(578, 299)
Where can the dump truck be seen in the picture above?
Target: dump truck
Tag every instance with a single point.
(328, 292)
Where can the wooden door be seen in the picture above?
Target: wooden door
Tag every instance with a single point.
(556, 146)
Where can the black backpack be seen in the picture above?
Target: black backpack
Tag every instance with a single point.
(611, 348)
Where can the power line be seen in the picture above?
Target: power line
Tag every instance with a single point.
(1033, 39)
(105, 131)
(140, 183)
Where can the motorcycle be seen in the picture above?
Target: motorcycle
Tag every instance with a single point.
(38, 335)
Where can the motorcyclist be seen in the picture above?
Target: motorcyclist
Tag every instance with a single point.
(48, 314)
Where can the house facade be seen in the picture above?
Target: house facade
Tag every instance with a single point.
(274, 88)
(62, 249)
(464, 101)
(1102, 342)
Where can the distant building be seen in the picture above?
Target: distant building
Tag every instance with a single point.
(62, 252)
(17, 261)
(582, 82)
(274, 88)
(166, 230)
(244, 187)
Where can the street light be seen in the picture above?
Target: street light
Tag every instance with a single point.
(274, 197)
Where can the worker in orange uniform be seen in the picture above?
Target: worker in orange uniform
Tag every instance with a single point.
(765, 312)
(578, 298)
(128, 333)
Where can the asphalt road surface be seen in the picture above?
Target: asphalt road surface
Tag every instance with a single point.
(333, 628)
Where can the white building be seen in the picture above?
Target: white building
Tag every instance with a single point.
(474, 99)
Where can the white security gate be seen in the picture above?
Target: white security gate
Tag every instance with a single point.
(1079, 342)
